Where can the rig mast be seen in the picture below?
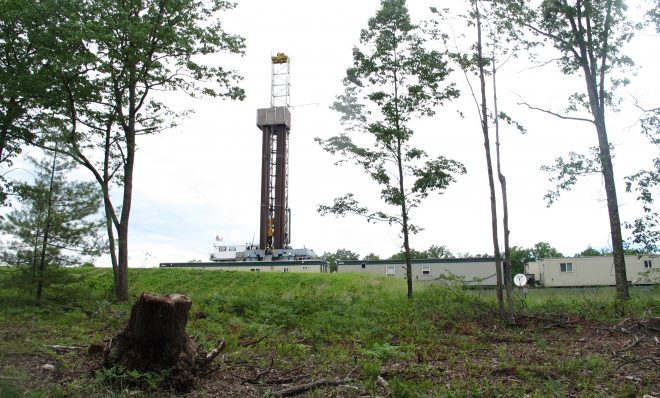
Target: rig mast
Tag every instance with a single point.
(275, 124)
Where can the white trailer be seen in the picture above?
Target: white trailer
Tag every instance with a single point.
(472, 271)
(591, 270)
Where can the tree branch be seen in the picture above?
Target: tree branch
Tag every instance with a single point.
(556, 114)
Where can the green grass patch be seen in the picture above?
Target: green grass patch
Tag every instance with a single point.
(445, 342)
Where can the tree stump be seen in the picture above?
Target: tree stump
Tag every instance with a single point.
(155, 339)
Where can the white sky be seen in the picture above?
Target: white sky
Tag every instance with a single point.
(202, 178)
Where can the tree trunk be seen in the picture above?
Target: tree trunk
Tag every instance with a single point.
(129, 162)
(404, 221)
(112, 245)
(406, 247)
(613, 210)
(35, 253)
(597, 103)
(489, 164)
(155, 339)
(121, 279)
(508, 278)
(4, 132)
(44, 243)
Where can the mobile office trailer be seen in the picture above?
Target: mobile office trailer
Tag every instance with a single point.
(307, 266)
(591, 271)
(472, 271)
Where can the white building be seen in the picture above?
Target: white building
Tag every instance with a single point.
(591, 271)
(472, 271)
(310, 266)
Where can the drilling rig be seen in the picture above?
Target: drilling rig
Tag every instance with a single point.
(275, 124)
(274, 213)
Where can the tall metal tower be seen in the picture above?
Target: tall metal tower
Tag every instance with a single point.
(275, 124)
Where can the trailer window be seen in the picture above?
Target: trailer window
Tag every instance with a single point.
(390, 270)
(426, 270)
(566, 267)
(222, 248)
(647, 264)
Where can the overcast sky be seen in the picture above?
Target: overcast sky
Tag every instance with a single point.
(201, 179)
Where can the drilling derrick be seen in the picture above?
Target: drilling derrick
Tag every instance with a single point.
(275, 124)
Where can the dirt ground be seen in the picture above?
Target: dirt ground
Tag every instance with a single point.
(562, 356)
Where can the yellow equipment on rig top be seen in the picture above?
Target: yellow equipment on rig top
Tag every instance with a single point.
(280, 58)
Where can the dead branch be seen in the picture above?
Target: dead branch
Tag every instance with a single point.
(247, 343)
(283, 380)
(66, 348)
(564, 325)
(216, 351)
(569, 323)
(635, 342)
(348, 376)
(619, 325)
(294, 390)
(652, 359)
(261, 373)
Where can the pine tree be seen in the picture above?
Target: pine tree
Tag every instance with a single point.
(53, 224)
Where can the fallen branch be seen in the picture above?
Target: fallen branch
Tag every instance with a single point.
(638, 360)
(569, 323)
(248, 343)
(206, 360)
(66, 348)
(262, 373)
(216, 351)
(294, 390)
(283, 380)
(635, 342)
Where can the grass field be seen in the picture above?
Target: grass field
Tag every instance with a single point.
(350, 334)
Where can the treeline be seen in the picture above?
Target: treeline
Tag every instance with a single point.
(519, 255)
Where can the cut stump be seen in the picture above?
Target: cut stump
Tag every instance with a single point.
(155, 339)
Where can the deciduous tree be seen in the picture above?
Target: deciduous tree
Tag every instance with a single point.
(112, 59)
(646, 183)
(485, 17)
(544, 250)
(393, 81)
(23, 80)
(434, 251)
(340, 254)
(589, 36)
(519, 257)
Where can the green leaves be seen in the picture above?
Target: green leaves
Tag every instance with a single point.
(66, 209)
(565, 173)
(646, 184)
(394, 80)
(436, 174)
(347, 204)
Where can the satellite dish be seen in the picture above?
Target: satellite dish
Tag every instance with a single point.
(520, 280)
